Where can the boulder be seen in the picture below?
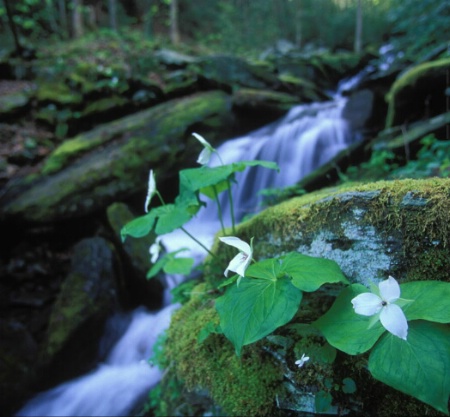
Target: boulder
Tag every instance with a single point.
(88, 296)
(135, 262)
(398, 228)
(110, 163)
(419, 93)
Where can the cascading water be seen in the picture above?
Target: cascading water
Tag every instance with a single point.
(307, 137)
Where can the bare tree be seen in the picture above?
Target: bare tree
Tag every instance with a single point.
(12, 25)
(63, 21)
(77, 18)
(174, 33)
(112, 9)
(358, 27)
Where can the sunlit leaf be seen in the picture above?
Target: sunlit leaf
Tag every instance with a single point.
(431, 300)
(309, 273)
(256, 308)
(139, 227)
(266, 269)
(346, 330)
(419, 366)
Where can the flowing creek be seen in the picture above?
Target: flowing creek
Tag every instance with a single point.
(306, 138)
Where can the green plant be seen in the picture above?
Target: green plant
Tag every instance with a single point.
(261, 296)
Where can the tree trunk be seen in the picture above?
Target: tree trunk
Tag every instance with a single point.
(63, 21)
(112, 8)
(12, 25)
(298, 24)
(148, 24)
(358, 27)
(174, 33)
(77, 19)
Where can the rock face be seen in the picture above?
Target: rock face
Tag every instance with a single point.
(398, 228)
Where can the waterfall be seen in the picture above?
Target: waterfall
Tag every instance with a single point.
(307, 137)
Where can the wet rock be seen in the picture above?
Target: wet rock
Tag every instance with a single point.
(111, 162)
(398, 228)
(419, 93)
(88, 296)
(135, 260)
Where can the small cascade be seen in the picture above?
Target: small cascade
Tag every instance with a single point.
(307, 137)
(116, 385)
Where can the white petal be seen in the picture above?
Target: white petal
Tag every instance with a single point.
(393, 320)
(204, 157)
(154, 252)
(367, 304)
(203, 141)
(238, 264)
(151, 190)
(237, 243)
(389, 290)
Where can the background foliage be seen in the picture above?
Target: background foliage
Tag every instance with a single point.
(236, 26)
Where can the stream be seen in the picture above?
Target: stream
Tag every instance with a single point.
(306, 138)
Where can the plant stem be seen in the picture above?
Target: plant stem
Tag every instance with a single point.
(197, 241)
(230, 197)
(219, 209)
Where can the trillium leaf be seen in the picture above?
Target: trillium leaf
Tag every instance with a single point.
(431, 300)
(171, 217)
(266, 269)
(419, 366)
(256, 308)
(309, 273)
(346, 330)
(139, 227)
(213, 180)
(182, 266)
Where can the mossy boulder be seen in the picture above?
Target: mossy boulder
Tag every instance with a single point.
(228, 72)
(135, 261)
(88, 296)
(398, 228)
(419, 93)
(111, 162)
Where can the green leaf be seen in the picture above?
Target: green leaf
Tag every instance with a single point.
(309, 273)
(348, 386)
(139, 227)
(419, 366)
(266, 269)
(182, 266)
(157, 267)
(171, 217)
(346, 330)
(256, 308)
(323, 401)
(431, 300)
(204, 179)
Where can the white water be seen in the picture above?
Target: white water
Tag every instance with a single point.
(309, 136)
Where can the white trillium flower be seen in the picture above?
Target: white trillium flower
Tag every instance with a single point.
(151, 189)
(300, 362)
(205, 154)
(242, 260)
(155, 250)
(391, 315)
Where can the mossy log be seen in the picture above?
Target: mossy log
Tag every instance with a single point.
(398, 228)
(111, 162)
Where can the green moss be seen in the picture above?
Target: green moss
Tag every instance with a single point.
(410, 80)
(241, 386)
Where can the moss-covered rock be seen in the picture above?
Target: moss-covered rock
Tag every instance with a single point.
(398, 228)
(88, 296)
(135, 261)
(418, 93)
(111, 162)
